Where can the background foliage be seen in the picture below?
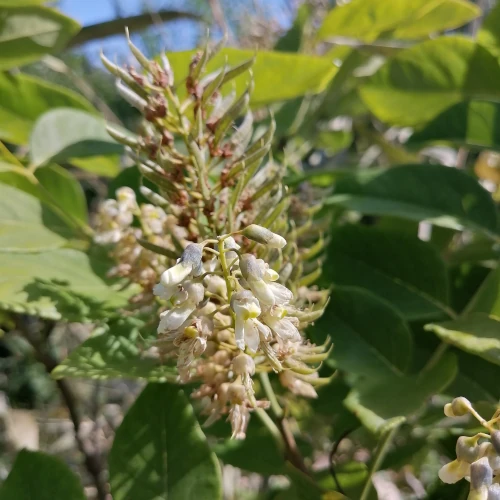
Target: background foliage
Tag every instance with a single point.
(392, 109)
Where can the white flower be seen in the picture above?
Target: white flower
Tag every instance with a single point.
(247, 328)
(454, 471)
(260, 280)
(284, 327)
(187, 300)
(189, 264)
(244, 366)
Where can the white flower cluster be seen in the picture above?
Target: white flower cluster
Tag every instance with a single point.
(228, 318)
(478, 456)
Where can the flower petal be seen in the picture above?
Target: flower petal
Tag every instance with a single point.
(454, 471)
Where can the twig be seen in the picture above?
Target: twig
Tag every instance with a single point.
(292, 452)
(331, 456)
(378, 459)
(92, 459)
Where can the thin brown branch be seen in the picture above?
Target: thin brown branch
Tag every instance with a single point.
(292, 452)
(134, 23)
(92, 458)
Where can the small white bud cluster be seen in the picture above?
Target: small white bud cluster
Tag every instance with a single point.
(478, 456)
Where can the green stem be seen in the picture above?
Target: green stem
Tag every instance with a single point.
(268, 389)
(272, 427)
(225, 271)
(378, 459)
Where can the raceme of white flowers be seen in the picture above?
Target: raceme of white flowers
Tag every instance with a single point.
(223, 252)
(478, 456)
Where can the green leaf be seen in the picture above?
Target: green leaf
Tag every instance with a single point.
(160, 452)
(475, 333)
(476, 380)
(278, 76)
(64, 189)
(27, 225)
(378, 403)
(27, 33)
(368, 20)
(114, 351)
(53, 140)
(474, 124)
(444, 196)
(48, 476)
(378, 260)
(369, 336)
(106, 166)
(24, 98)
(19, 271)
(487, 298)
(258, 452)
(489, 33)
(421, 82)
(52, 185)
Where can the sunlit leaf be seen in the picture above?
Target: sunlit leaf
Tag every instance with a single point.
(421, 82)
(114, 351)
(368, 20)
(28, 32)
(53, 140)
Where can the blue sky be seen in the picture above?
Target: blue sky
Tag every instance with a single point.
(178, 35)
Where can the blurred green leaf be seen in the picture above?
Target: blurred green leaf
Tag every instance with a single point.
(106, 166)
(48, 476)
(444, 196)
(76, 269)
(489, 33)
(27, 225)
(378, 260)
(64, 190)
(368, 20)
(24, 98)
(377, 403)
(114, 351)
(278, 76)
(28, 32)
(421, 82)
(473, 124)
(475, 333)
(53, 140)
(369, 336)
(476, 380)
(160, 451)
(52, 185)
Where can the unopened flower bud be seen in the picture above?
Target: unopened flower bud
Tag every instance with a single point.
(243, 364)
(262, 235)
(458, 407)
(480, 474)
